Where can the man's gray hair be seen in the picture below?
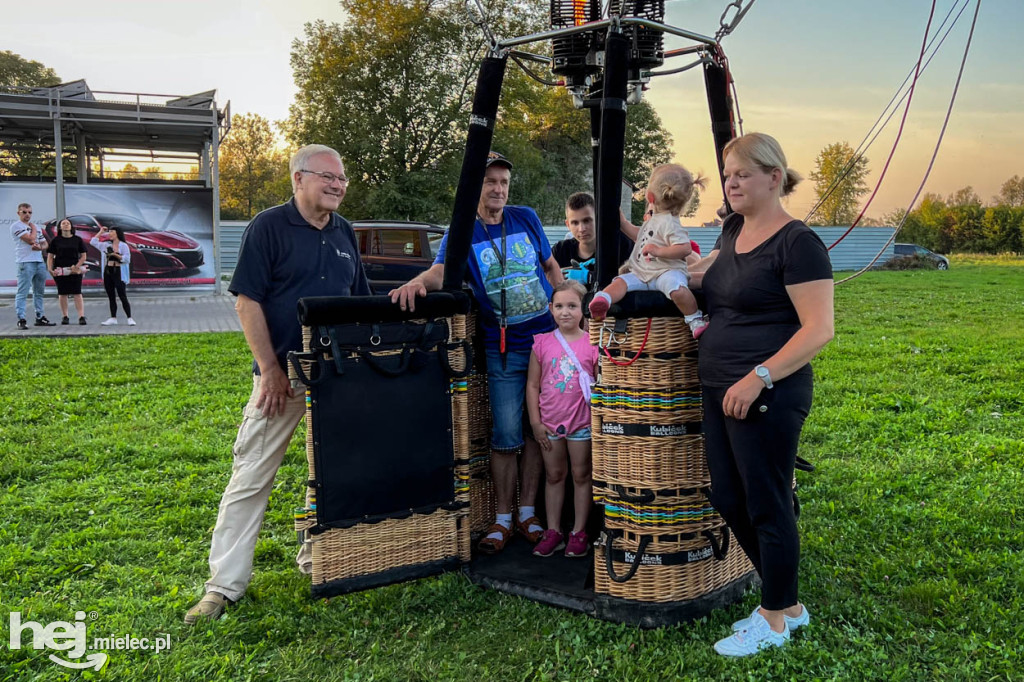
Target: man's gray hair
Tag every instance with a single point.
(302, 156)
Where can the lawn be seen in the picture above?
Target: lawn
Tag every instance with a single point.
(115, 452)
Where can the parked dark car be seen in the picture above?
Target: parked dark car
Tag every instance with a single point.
(903, 250)
(395, 251)
(155, 253)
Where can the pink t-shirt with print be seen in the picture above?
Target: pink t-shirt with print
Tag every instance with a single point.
(563, 409)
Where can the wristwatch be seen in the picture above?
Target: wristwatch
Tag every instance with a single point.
(762, 373)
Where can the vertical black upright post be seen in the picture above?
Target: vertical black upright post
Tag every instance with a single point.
(474, 162)
(612, 141)
(723, 127)
(595, 144)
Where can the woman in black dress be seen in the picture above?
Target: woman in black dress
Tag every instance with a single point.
(65, 260)
(768, 286)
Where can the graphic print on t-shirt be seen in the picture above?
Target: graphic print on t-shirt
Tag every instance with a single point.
(564, 369)
(525, 298)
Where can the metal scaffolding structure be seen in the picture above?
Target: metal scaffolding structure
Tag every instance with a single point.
(161, 128)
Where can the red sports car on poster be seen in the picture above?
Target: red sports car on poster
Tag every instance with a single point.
(155, 253)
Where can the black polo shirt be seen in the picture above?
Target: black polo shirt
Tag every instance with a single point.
(283, 258)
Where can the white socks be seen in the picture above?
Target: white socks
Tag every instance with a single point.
(502, 520)
(693, 316)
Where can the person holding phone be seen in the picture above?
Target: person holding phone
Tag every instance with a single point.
(114, 262)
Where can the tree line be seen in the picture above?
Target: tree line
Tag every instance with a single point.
(963, 222)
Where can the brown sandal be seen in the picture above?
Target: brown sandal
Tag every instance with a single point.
(490, 545)
(523, 527)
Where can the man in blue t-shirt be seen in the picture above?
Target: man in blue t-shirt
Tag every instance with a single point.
(511, 272)
(298, 249)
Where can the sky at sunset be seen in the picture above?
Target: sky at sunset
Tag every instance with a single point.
(809, 72)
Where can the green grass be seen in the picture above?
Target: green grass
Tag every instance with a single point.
(115, 452)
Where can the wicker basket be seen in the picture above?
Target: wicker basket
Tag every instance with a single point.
(685, 511)
(669, 583)
(666, 335)
(444, 535)
(650, 471)
(369, 548)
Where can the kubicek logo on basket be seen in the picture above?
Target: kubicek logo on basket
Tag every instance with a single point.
(699, 554)
(72, 638)
(645, 559)
(667, 430)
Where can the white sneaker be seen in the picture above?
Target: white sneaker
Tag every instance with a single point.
(131, 322)
(110, 321)
(794, 623)
(757, 637)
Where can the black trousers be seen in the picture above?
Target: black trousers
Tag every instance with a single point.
(751, 463)
(112, 283)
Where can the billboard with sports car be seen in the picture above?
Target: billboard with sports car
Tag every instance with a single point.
(168, 229)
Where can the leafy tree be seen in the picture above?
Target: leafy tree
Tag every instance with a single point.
(839, 190)
(1012, 192)
(16, 71)
(129, 172)
(391, 89)
(27, 160)
(1003, 228)
(253, 171)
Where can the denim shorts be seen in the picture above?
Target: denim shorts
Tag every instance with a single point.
(506, 386)
(582, 434)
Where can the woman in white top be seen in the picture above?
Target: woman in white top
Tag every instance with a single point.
(115, 258)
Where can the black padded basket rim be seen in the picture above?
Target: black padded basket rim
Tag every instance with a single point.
(316, 311)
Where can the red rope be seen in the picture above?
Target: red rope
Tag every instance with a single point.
(899, 134)
(647, 335)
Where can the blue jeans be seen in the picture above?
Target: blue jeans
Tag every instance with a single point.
(30, 275)
(507, 389)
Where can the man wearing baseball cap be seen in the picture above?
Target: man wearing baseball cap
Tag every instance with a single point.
(511, 272)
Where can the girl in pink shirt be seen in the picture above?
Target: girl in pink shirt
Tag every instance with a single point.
(563, 365)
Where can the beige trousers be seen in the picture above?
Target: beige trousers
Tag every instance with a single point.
(258, 451)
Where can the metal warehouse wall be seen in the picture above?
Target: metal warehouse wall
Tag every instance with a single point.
(853, 253)
(230, 241)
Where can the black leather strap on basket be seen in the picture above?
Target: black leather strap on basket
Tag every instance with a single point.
(331, 310)
(320, 363)
(651, 430)
(714, 549)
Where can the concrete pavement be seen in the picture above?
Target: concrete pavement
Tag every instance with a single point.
(154, 314)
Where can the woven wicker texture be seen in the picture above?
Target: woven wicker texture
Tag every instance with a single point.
(649, 459)
(365, 549)
(669, 583)
(369, 548)
(667, 335)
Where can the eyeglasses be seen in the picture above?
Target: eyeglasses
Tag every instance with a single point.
(25, 211)
(327, 177)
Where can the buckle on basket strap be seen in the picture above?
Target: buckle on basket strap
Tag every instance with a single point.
(295, 359)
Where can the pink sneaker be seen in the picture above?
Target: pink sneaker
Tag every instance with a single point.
(550, 542)
(599, 306)
(579, 545)
(697, 327)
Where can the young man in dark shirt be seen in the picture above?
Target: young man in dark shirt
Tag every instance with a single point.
(581, 219)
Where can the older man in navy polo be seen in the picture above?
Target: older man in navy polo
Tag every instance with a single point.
(301, 248)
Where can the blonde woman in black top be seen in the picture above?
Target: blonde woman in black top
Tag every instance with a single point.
(768, 287)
